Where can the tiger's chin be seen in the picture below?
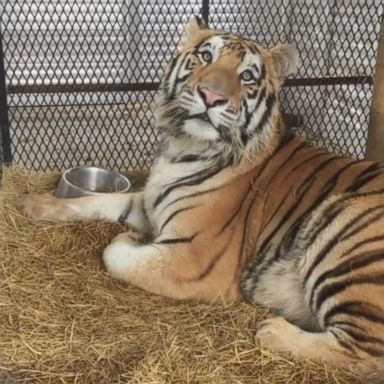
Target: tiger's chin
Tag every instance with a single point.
(201, 130)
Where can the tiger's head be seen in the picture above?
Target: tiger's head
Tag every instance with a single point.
(222, 89)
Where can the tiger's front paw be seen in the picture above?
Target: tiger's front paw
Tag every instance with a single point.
(119, 256)
(131, 237)
(277, 335)
(40, 207)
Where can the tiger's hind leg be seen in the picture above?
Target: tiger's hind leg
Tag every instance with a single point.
(340, 269)
(280, 336)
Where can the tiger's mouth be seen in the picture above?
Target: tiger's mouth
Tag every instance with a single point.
(201, 116)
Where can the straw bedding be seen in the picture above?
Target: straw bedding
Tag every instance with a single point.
(63, 320)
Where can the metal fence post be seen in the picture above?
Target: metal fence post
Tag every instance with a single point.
(6, 157)
(375, 140)
(205, 11)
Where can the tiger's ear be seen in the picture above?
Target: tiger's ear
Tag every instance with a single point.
(191, 29)
(285, 60)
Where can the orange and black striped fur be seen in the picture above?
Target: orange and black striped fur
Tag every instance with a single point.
(239, 208)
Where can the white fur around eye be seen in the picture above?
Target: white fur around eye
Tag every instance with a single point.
(212, 45)
(250, 60)
(248, 76)
(205, 56)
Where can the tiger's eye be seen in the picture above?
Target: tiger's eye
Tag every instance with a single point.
(247, 75)
(206, 56)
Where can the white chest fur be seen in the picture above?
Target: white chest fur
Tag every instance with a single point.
(164, 175)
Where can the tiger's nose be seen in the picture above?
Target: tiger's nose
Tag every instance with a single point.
(210, 97)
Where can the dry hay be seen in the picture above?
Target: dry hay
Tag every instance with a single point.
(63, 320)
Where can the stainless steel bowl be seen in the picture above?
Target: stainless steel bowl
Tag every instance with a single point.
(86, 181)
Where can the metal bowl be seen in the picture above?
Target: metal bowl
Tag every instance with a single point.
(86, 181)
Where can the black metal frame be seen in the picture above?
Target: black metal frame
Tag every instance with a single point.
(6, 153)
(132, 87)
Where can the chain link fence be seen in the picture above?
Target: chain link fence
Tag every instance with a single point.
(81, 74)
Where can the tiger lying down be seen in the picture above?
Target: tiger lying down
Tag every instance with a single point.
(239, 208)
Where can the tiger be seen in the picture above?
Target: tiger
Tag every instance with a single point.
(240, 208)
